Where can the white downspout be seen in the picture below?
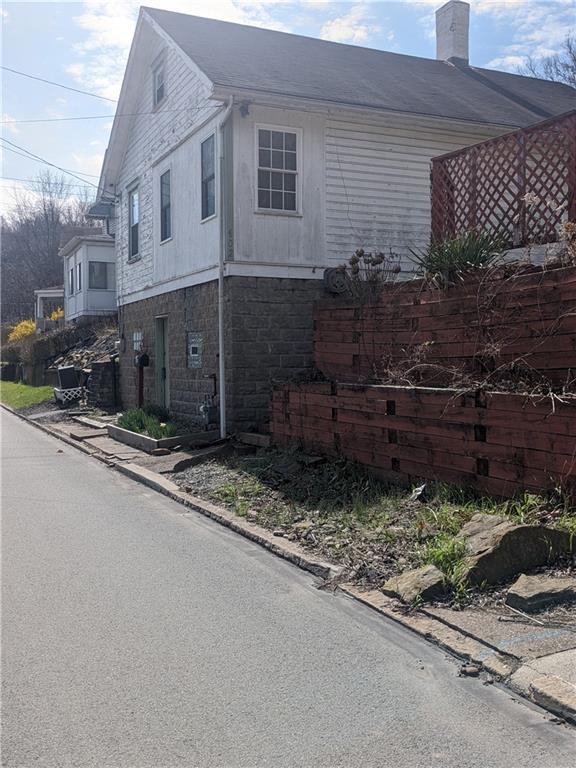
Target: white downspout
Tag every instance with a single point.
(221, 259)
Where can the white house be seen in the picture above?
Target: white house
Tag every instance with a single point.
(243, 162)
(89, 277)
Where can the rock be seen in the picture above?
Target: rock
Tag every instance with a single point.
(499, 549)
(160, 452)
(469, 670)
(278, 532)
(425, 583)
(532, 593)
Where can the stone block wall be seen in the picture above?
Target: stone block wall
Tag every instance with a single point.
(192, 310)
(269, 330)
(103, 390)
(270, 337)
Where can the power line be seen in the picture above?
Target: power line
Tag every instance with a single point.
(59, 85)
(47, 162)
(37, 182)
(28, 157)
(103, 117)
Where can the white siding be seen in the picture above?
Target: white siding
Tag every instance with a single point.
(152, 136)
(378, 180)
(278, 238)
(90, 301)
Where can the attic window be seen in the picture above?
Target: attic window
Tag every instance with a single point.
(277, 170)
(158, 84)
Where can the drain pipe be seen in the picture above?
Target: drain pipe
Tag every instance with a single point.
(221, 259)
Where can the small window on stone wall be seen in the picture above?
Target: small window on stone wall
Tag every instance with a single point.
(138, 341)
(195, 345)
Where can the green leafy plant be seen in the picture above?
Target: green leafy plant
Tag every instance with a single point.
(448, 554)
(452, 258)
(138, 420)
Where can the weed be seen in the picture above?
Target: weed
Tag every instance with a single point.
(448, 554)
(567, 523)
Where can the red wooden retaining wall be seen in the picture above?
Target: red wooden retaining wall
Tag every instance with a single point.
(496, 443)
(528, 317)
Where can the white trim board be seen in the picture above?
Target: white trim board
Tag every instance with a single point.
(240, 269)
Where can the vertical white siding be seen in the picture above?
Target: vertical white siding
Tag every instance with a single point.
(378, 181)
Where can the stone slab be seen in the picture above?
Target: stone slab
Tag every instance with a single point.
(253, 438)
(514, 636)
(87, 434)
(533, 593)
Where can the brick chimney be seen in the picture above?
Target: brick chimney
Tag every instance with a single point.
(452, 28)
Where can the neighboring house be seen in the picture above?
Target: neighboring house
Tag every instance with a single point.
(89, 277)
(243, 162)
(46, 301)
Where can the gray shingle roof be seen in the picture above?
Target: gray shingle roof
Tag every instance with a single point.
(238, 56)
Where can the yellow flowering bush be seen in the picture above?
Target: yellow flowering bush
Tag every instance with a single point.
(57, 314)
(22, 330)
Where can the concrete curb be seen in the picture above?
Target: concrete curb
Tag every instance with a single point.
(546, 690)
(281, 547)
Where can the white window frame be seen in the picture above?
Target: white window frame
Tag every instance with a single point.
(99, 261)
(71, 277)
(167, 169)
(78, 277)
(130, 191)
(158, 69)
(211, 135)
(297, 173)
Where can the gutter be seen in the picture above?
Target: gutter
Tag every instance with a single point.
(221, 260)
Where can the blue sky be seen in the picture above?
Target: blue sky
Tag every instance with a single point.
(85, 45)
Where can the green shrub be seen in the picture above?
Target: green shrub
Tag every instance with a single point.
(139, 421)
(455, 256)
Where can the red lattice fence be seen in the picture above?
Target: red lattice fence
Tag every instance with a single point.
(521, 186)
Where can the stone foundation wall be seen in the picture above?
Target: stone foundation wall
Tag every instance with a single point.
(269, 328)
(193, 310)
(270, 337)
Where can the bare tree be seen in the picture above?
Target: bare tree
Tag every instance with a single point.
(31, 235)
(560, 67)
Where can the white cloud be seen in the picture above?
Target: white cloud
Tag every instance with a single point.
(354, 27)
(537, 27)
(109, 26)
(8, 126)
(87, 163)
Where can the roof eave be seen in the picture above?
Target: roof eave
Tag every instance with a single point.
(272, 98)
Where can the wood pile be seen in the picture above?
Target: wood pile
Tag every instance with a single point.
(82, 355)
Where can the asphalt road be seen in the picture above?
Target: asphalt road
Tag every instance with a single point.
(136, 635)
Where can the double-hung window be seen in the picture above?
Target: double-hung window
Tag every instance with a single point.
(71, 281)
(134, 220)
(277, 170)
(165, 212)
(159, 84)
(208, 173)
(98, 275)
(79, 276)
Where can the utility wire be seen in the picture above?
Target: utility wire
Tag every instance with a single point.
(39, 159)
(59, 85)
(28, 157)
(35, 181)
(104, 117)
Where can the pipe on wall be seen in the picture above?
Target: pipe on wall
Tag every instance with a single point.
(221, 260)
